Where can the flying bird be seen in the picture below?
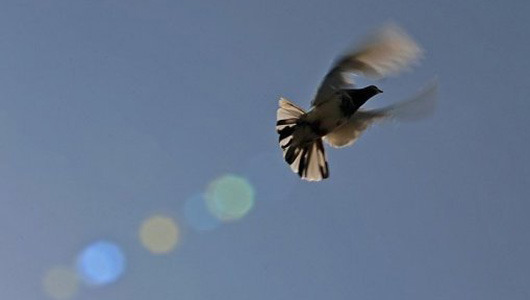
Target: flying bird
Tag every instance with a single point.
(336, 116)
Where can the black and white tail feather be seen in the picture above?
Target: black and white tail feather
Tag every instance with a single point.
(307, 160)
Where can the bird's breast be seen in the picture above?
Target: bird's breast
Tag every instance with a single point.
(328, 115)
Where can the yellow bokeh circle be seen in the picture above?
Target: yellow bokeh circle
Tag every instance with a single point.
(159, 234)
(60, 283)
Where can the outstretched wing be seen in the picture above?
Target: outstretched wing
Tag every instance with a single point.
(417, 107)
(348, 133)
(387, 52)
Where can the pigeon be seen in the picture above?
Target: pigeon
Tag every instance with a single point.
(336, 116)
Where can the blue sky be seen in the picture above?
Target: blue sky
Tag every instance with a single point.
(111, 111)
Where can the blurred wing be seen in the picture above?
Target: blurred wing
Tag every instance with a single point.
(348, 133)
(417, 107)
(385, 53)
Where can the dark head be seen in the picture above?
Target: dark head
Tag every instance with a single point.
(372, 90)
(362, 95)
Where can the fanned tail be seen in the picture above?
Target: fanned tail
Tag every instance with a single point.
(308, 160)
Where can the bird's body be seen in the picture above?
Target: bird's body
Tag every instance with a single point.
(335, 116)
(331, 114)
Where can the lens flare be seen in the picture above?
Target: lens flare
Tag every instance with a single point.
(60, 283)
(159, 234)
(101, 263)
(230, 197)
(197, 214)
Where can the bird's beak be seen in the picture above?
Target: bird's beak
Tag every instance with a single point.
(379, 91)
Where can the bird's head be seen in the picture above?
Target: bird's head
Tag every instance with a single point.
(360, 96)
(373, 90)
(368, 92)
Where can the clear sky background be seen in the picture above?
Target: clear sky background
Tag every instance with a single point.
(112, 111)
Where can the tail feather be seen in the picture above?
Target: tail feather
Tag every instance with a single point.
(321, 159)
(288, 110)
(309, 160)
